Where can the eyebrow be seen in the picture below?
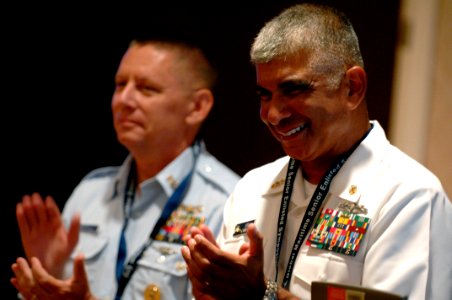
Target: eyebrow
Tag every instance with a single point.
(288, 84)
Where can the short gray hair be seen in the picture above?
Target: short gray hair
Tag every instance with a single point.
(321, 31)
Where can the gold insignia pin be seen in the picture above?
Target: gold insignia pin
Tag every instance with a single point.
(152, 292)
(181, 266)
(353, 189)
(352, 208)
(172, 182)
(277, 183)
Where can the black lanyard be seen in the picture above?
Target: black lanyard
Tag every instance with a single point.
(311, 211)
(172, 203)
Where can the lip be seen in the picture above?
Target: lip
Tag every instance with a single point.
(124, 121)
(291, 133)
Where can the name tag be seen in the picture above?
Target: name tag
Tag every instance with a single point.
(241, 228)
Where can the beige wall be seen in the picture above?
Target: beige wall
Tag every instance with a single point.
(421, 112)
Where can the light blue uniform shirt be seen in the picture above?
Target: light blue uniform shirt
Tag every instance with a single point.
(100, 199)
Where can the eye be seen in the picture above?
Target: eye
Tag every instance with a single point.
(295, 88)
(263, 94)
(120, 84)
(145, 88)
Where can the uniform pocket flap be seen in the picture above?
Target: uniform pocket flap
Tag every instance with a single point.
(164, 257)
(90, 245)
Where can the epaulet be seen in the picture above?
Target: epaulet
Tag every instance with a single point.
(218, 173)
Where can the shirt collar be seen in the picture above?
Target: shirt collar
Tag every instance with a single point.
(173, 174)
(169, 177)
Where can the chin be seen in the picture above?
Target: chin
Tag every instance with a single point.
(295, 152)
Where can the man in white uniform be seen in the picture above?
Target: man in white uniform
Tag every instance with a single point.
(344, 205)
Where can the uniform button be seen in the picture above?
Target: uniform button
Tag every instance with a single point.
(322, 277)
(161, 259)
(208, 169)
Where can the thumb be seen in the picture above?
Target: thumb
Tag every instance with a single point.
(73, 232)
(256, 244)
(79, 269)
(80, 280)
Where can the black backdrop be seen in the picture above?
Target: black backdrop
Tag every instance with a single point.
(58, 69)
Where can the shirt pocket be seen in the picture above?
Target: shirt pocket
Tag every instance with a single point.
(161, 265)
(322, 265)
(164, 257)
(233, 244)
(91, 245)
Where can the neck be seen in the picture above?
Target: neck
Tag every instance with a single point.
(313, 171)
(148, 167)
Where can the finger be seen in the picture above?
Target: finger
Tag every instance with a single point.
(194, 231)
(23, 280)
(196, 263)
(52, 210)
(256, 241)
(198, 251)
(24, 226)
(208, 234)
(80, 277)
(205, 251)
(22, 269)
(243, 248)
(15, 269)
(14, 282)
(199, 286)
(29, 212)
(185, 251)
(73, 232)
(39, 208)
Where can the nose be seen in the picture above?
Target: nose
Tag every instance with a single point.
(126, 95)
(274, 110)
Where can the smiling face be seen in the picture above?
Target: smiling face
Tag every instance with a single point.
(152, 101)
(312, 119)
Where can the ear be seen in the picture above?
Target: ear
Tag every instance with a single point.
(357, 86)
(202, 104)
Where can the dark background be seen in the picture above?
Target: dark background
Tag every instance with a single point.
(58, 69)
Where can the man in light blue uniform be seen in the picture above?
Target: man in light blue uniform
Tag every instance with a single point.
(128, 222)
(100, 196)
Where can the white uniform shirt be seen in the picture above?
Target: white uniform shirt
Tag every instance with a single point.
(407, 246)
(100, 199)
